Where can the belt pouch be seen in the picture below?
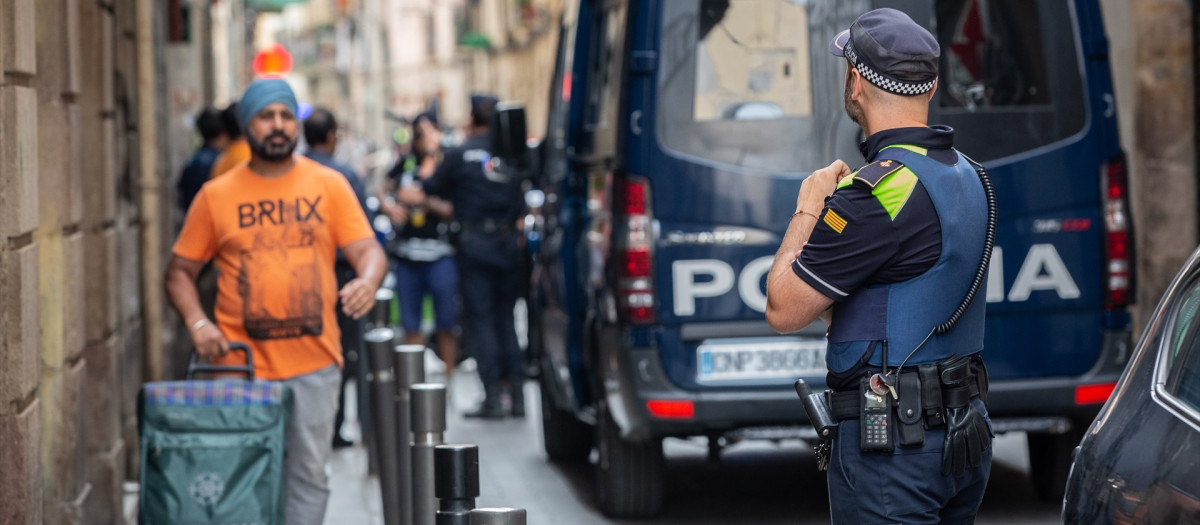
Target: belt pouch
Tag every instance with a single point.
(931, 395)
(911, 430)
(955, 372)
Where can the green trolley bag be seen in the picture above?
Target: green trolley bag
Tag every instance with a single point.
(212, 451)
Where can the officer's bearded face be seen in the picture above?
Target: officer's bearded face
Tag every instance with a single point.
(853, 109)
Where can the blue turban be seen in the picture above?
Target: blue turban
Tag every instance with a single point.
(262, 93)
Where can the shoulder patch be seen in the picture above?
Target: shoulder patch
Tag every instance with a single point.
(875, 172)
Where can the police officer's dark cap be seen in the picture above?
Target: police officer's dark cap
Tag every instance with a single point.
(890, 51)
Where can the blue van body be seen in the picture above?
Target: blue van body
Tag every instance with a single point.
(667, 196)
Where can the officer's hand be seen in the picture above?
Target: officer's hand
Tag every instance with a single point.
(967, 436)
(819, 185)
(357, 297)
(209, 341)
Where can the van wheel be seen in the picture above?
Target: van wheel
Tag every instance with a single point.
(1050, 462)
(566, 438)
(629, 475)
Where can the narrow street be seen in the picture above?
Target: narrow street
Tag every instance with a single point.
(758, 483)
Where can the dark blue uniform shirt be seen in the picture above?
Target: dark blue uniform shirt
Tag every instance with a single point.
(873, 247)
(479, 194)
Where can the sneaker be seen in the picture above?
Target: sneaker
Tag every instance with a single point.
(487, 410)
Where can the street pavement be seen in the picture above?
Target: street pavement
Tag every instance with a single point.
(757, 483)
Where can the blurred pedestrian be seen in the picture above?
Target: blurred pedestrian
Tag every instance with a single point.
(422, 248)
(487, 206)
(198, 168)
(238, 150)
(273, 226)
(321, 133)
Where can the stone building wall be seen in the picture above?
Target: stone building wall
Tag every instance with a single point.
(70, 331)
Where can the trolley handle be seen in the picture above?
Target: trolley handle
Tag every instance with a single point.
(248, 368)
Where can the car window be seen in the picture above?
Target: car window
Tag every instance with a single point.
(1182, 362)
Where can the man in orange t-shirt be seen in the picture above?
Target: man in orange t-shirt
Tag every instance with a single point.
(273, 226)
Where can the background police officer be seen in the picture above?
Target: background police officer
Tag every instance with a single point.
(892, 252)
(487, 204)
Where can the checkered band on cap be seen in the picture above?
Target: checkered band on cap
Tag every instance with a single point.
(890, 85)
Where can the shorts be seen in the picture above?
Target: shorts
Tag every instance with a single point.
(439, 279)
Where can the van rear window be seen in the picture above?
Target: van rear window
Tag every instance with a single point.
(1010, 76)
(750, 83)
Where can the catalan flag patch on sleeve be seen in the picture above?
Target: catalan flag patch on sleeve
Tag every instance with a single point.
(835, 221)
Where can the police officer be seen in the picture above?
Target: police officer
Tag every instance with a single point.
(890, 251)
(487, 204)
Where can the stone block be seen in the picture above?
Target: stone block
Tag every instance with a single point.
(96, 62)
(129, 265)
(19, 37)
(100, 285)
(102, 389)
(73, 52)
(52, 66)
(73, 296)
(20, 337)
(74, 171)
(18, 159)
(106, 471)
(20, 451)
(132, 375)
(50, 288)
(54, 159)
(99, 171)
(64, 453)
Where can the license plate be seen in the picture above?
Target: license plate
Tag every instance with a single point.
(721, 360)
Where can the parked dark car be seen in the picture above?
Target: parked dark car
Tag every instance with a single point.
(1139, 462)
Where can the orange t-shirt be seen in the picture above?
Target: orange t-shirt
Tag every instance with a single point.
(274, 241)
(237, 153)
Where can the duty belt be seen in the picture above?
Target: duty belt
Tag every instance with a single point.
(922, 384)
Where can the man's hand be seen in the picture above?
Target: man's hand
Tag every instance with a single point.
(397, 213)
(412, 196)
(209, 341)
(357, 298)
(819, 185)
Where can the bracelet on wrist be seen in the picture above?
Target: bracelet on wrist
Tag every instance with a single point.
(198, 325)
(802, 212)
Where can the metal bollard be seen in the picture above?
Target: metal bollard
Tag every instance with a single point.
(456, 482)
(498, 516)
(377, 318)
(428, 424)
(381, 313)
(379, 346)
(410, 370)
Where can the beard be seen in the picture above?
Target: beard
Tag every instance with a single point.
(853, 109)
(270, 151)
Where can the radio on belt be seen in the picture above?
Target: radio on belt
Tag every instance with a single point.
(875, 418)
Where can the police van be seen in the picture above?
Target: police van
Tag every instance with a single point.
(678, 136)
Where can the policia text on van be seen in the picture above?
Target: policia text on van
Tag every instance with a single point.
(679, 132)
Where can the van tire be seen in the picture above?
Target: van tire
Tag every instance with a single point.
(1050, 463)
(630, 475)
(565, 437)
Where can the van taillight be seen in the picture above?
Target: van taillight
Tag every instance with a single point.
(636, 282)
(1118, 235)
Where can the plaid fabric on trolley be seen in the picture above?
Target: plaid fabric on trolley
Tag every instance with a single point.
(214, 393)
